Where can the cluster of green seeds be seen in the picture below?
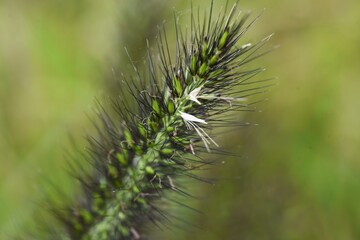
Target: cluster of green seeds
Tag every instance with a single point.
(138, 155)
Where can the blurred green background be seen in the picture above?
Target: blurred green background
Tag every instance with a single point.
(298, 176)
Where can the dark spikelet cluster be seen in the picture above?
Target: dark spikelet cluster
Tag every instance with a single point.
(139, 153)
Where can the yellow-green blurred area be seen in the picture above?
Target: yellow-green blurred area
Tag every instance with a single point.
(298, 176)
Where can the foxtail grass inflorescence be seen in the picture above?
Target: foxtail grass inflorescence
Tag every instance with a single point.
(139, 153)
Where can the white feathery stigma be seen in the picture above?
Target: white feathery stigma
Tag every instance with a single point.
(191, 123)
(193, 95)
(190, 118)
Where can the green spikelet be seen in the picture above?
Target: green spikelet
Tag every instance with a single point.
(175, 118)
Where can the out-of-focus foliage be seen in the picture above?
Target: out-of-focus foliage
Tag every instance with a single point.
(298, 176)
(51, 57)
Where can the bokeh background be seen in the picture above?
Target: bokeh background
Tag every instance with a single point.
(298, 176)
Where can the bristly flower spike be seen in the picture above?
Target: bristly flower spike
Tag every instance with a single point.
(138, 155)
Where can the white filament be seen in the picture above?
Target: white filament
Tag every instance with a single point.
(191, 123)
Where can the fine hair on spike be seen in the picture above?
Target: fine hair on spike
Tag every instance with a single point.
(144, 149)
